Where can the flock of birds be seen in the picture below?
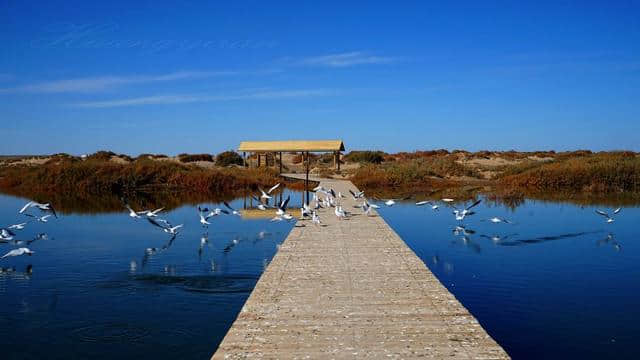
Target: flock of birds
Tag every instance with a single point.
(322, 199)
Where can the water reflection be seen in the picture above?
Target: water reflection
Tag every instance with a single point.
(557, 267)
(104, 272)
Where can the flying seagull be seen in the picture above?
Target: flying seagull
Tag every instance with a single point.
(132, 213)
(282, 208)
(356, 195)
(42, 219)
(6, 234)
(47, 207)
(17, 226)
(462, 213)
(173, 230)
(497, 220)
(433, 205)
(18, 252)
(606, 215)
(150, 213)
(233, 211)
(267, 195)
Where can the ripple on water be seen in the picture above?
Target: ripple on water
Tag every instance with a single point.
(203, 283)
(111, 332)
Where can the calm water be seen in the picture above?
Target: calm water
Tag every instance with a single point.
(558, 286)
(560, 283)
(96, 292)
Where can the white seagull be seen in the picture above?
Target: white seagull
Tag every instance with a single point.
(132, 213)
(167, 227)
(315, 218)
(356, 195)
(497, 220)
(267, 195)
(606, 215)
(42, 219)
(462, 213)
(340, 213)
(433, 205)
(18, 252)
(6, 234)
(233, 211)
(150, 213)
(43, 207)
(17, 226)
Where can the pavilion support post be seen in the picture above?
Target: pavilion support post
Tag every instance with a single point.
(280, 162)
(306, 180)
(338, 159)
(244, 159)
(335, 160)
(259, 159)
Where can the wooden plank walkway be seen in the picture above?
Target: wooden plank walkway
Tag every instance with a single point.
(352, 289)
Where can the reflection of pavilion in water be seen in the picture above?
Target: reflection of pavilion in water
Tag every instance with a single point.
(250, 206)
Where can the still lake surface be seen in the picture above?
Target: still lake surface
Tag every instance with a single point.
(559, 282)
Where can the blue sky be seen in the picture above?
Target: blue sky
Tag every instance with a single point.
(191, 76)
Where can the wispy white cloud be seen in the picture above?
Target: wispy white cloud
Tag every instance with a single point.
(345, 59)
(201, 98)
(93, 84)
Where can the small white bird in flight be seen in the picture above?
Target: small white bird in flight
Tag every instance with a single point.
(462, 213)
(356, 195)
(606, 215)
(267, 195)
(448, 200)
(17, 226)
(204, 218)
(150, 213)
(132, 213)
(47, 207)
(233, 211)
(433, 205)
(6, 234)
(42, 219)
(282, 208)
(497, 220)
(173, 230)
(18, 252)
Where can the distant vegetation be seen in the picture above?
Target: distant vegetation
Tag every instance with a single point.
(602, 172)
(228, 158)
(98, 174)
(510, 173)
(373, 157)
(541, 171)
(187, 158)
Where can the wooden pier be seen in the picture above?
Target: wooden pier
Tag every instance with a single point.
(352, 289)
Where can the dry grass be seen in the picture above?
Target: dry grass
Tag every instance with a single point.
(96, 176)
(602, 172)
(413, 172)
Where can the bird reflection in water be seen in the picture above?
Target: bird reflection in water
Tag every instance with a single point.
(609, 240)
